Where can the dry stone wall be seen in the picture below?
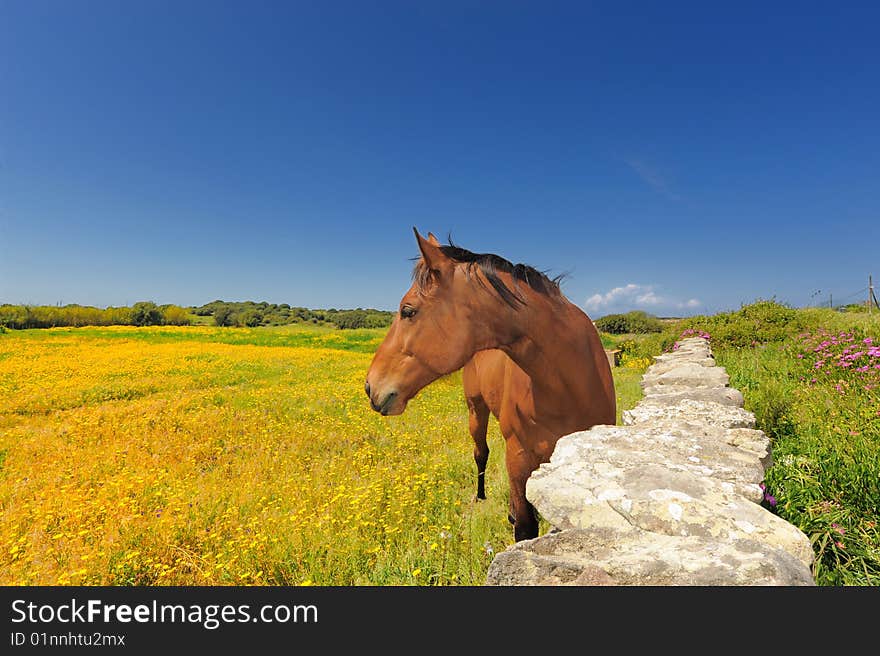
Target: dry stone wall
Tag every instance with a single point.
(671, 497)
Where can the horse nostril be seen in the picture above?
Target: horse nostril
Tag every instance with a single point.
(383, 408)
(367, 388)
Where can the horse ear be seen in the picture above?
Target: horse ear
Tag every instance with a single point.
(431, 253)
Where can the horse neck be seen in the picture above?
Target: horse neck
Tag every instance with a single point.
(552, 344)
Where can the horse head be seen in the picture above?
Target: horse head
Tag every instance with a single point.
(440, 324)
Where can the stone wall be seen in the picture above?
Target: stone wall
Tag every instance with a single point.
(671, 497)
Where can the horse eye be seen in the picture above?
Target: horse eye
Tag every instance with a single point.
(408, 312)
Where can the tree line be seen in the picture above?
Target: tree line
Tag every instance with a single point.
(221, 313)
(251, 314)
(144, 313)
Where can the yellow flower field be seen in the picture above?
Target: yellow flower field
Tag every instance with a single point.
(206, 456)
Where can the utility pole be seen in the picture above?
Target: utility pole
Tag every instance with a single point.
(872, 299)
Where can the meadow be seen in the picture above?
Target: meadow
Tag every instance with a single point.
(811, 376)
(816, 393)
(202, 455)
(198, 455)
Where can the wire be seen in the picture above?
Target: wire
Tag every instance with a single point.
(861, 291)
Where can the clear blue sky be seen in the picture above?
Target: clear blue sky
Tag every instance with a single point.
(675, 157)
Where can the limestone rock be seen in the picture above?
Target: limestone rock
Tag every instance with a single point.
(672, 497)
(608, 556)
(672, 394)
(687, 373)
(693, 410)
(699, 449)
(588, 487)
(662, 366)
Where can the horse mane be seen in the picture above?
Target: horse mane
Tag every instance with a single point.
(490, 265)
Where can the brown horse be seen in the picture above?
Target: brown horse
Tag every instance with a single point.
(530, 357)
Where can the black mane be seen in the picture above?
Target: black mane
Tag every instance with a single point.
(490, 265)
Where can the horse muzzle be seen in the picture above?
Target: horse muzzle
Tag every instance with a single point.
(385, 403)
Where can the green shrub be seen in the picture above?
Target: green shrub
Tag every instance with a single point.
(223, 316)
(13, 316)
(249, 318)
(353, 319)
(646, 346)
(635, 322)
(359, 318)
(815, 395)
(174, 315)
(146, 313)
(761, 322)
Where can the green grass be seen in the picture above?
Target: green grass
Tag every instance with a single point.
(361, 340)
(824, 426)
(826, 472)
(628, 389)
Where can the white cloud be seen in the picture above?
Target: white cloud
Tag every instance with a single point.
(648, 298)
(597, 301)
(635, 297)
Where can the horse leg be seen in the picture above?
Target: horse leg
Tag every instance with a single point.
(522, 512)
(478, 424)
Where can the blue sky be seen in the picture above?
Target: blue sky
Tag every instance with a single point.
(676, 157)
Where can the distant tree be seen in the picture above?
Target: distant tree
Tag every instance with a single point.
(350, 319)
(249, 318)
(12, 316)
(118, 316)
(223, 315)
(635, 322)
(361, 318)
(146, 313)
(174, 315)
